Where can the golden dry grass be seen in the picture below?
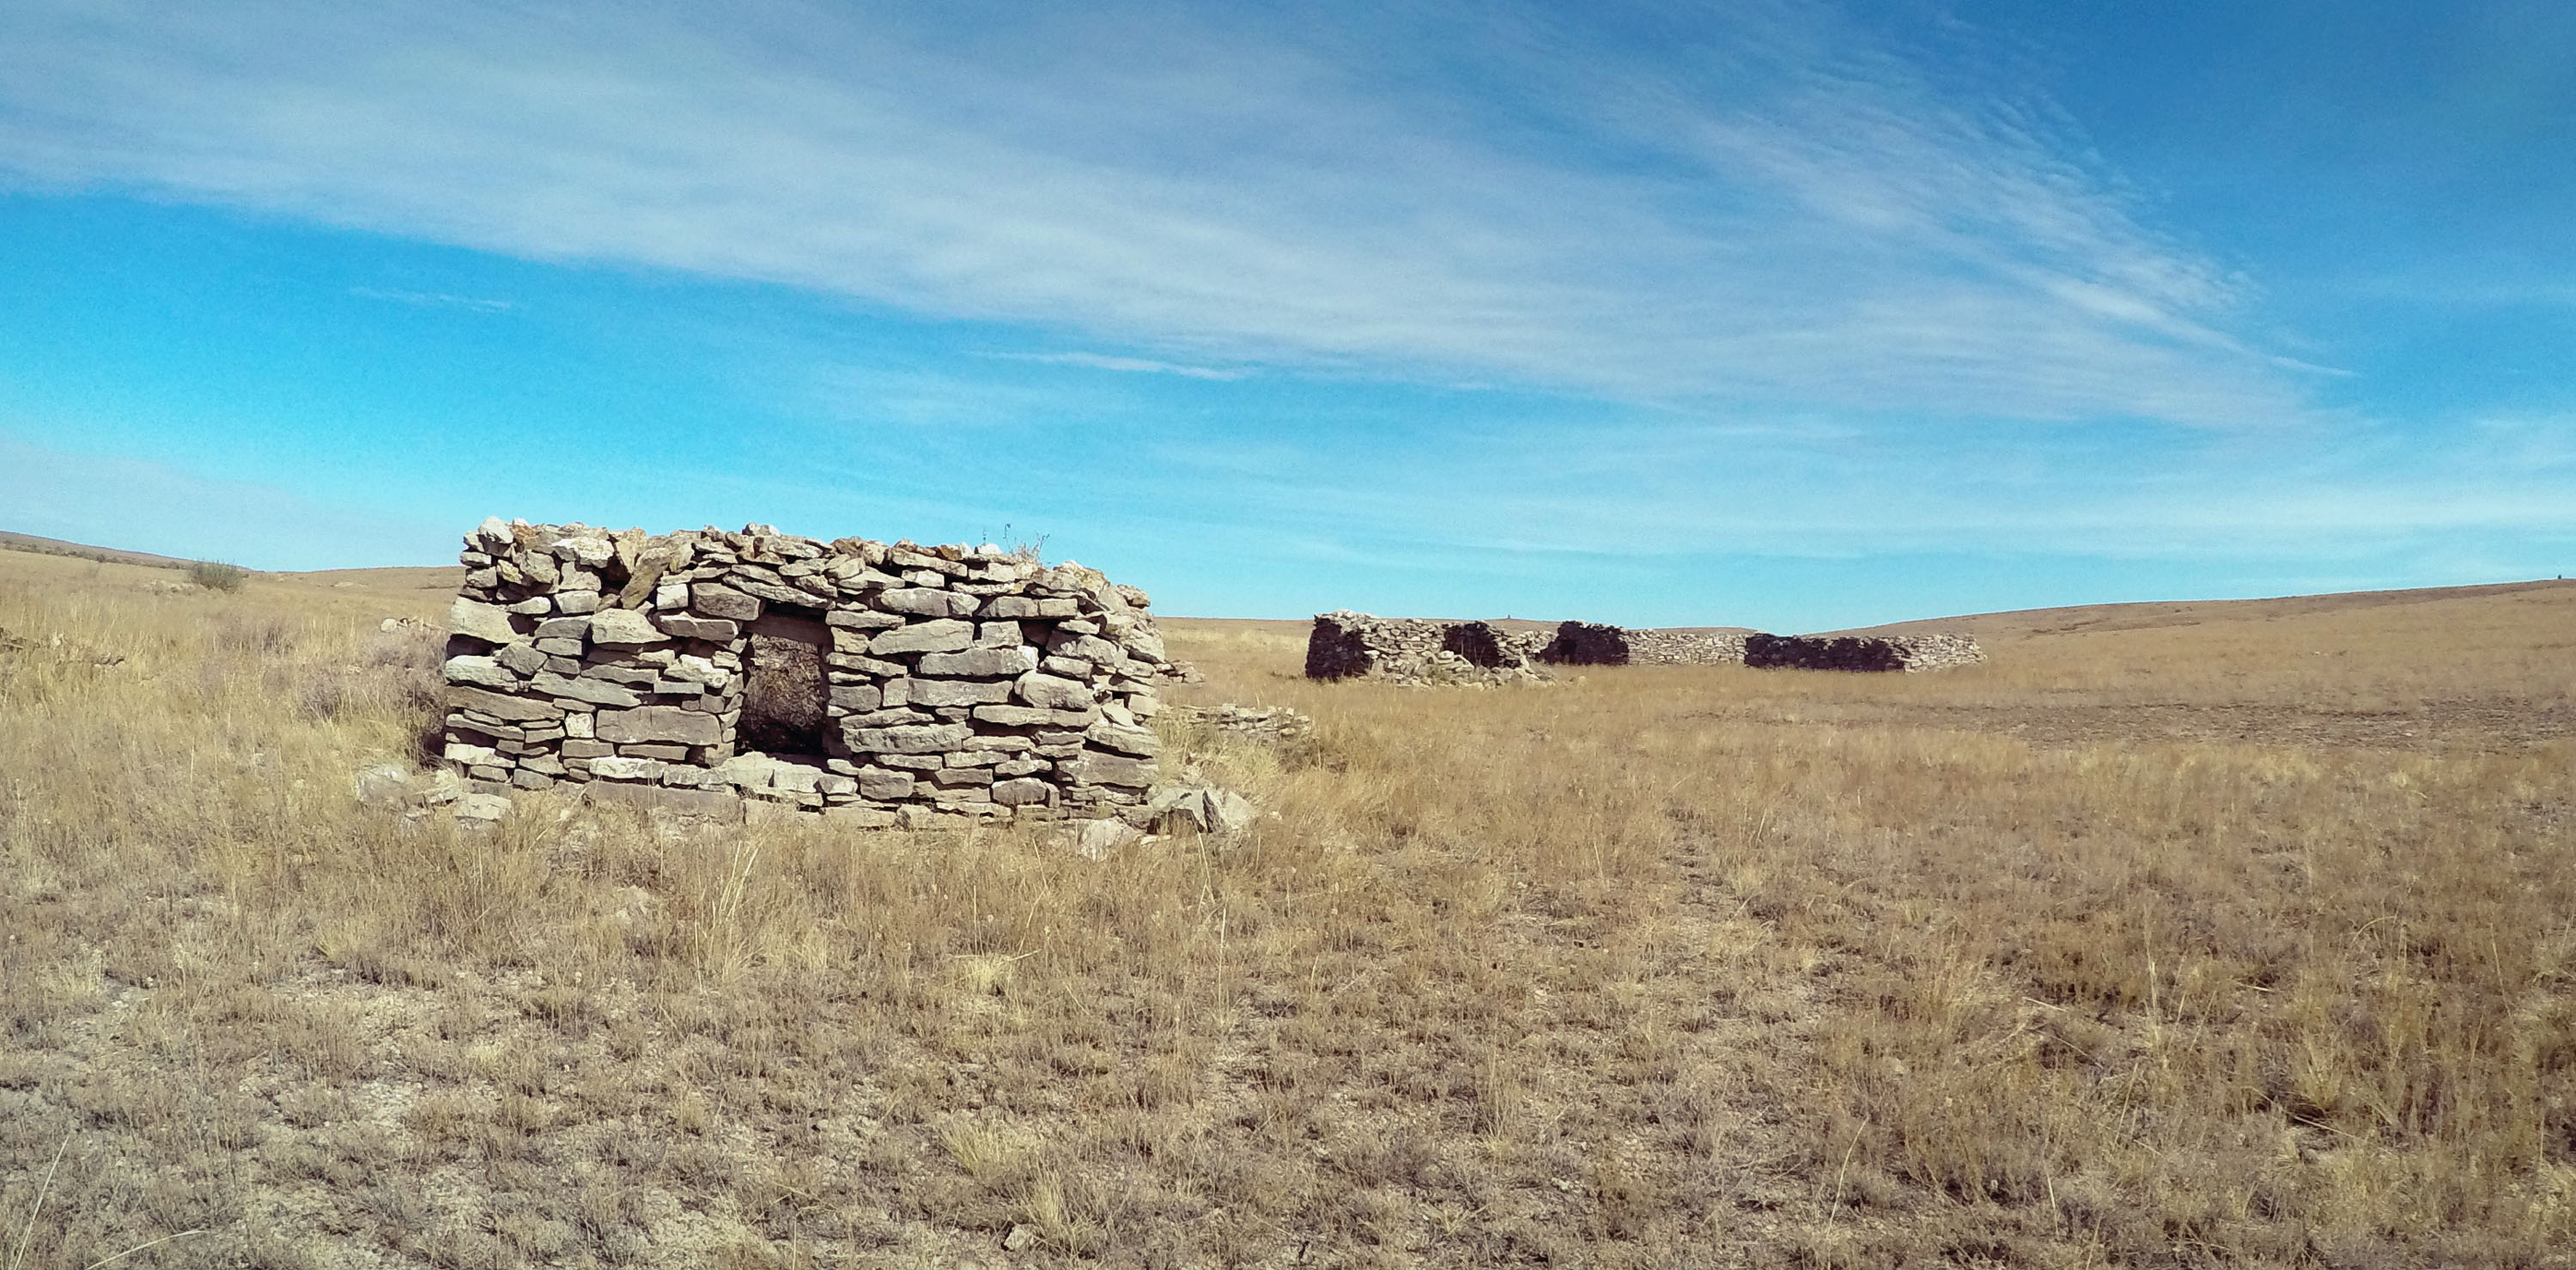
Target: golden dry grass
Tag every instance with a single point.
(1661, 967)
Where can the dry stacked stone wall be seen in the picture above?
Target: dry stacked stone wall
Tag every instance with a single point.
(1594, 644)
(878, 683)
(1347, 645)
(1686, 648)
(1858, 652)
(1413, 650)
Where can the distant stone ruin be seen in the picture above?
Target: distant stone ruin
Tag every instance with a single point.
(1593, 644)
(1862, 652)
(879, 684)
(1347, 645)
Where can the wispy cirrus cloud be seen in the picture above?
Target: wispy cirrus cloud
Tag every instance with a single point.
(1764, 204)
(1128, 365)
(432, 299)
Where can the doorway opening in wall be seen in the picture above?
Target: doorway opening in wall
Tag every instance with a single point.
(784, 690)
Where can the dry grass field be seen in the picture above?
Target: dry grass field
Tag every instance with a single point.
(2230, 935)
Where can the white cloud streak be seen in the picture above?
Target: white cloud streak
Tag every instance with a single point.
(432, 300)
(1130, 365)
(1761, 205)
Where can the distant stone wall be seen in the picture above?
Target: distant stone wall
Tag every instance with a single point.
(1411, 650)
(1856, 652)
(879, 683)
(1587, 644)
(1686, 648)
(1593, 644)
(1347, 645)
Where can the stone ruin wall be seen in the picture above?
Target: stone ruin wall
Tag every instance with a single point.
(1347, 645)
(1862, 652)
(1412, 650)
(1595, 644)
(888, 683)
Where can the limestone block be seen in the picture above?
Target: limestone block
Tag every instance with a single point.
(517, 709)
(1021, 791)
(876, 782)
(1145, 645)
(1097, 839)
(982, 661)
(928, 738)
(1009, 606)
(659, 723)
(919, 601)
(522, 659)
(624, 626)
(862, 619)
(1014, 716)
(483, 807)
(597, 692)
(1097, 768)
(760, 588)
(1053, 693)
(933, 693)
(886, 718)
(488, 622)
(1090, 648)
(851, 663)
(482, 671)
(856, 698)
(689, 626)
(715, 600)
(471, 755)
(626, 769)
(714, 804)
(1126, 740)
(590, 550)
(945, 635)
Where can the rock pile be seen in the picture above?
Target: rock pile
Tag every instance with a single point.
(877, 683)
(1275, 726)
(1858, 652)
(1418, 651)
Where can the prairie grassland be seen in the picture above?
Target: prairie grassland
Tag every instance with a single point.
(1660, 967)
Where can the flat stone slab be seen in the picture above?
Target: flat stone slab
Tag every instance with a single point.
(658, 723)
(711, 803)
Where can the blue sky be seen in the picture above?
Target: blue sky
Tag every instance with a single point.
(1787, 315)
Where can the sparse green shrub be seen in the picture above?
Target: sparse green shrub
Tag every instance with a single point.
(217, 577)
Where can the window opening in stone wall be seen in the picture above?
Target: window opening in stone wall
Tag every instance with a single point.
(784, 693)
